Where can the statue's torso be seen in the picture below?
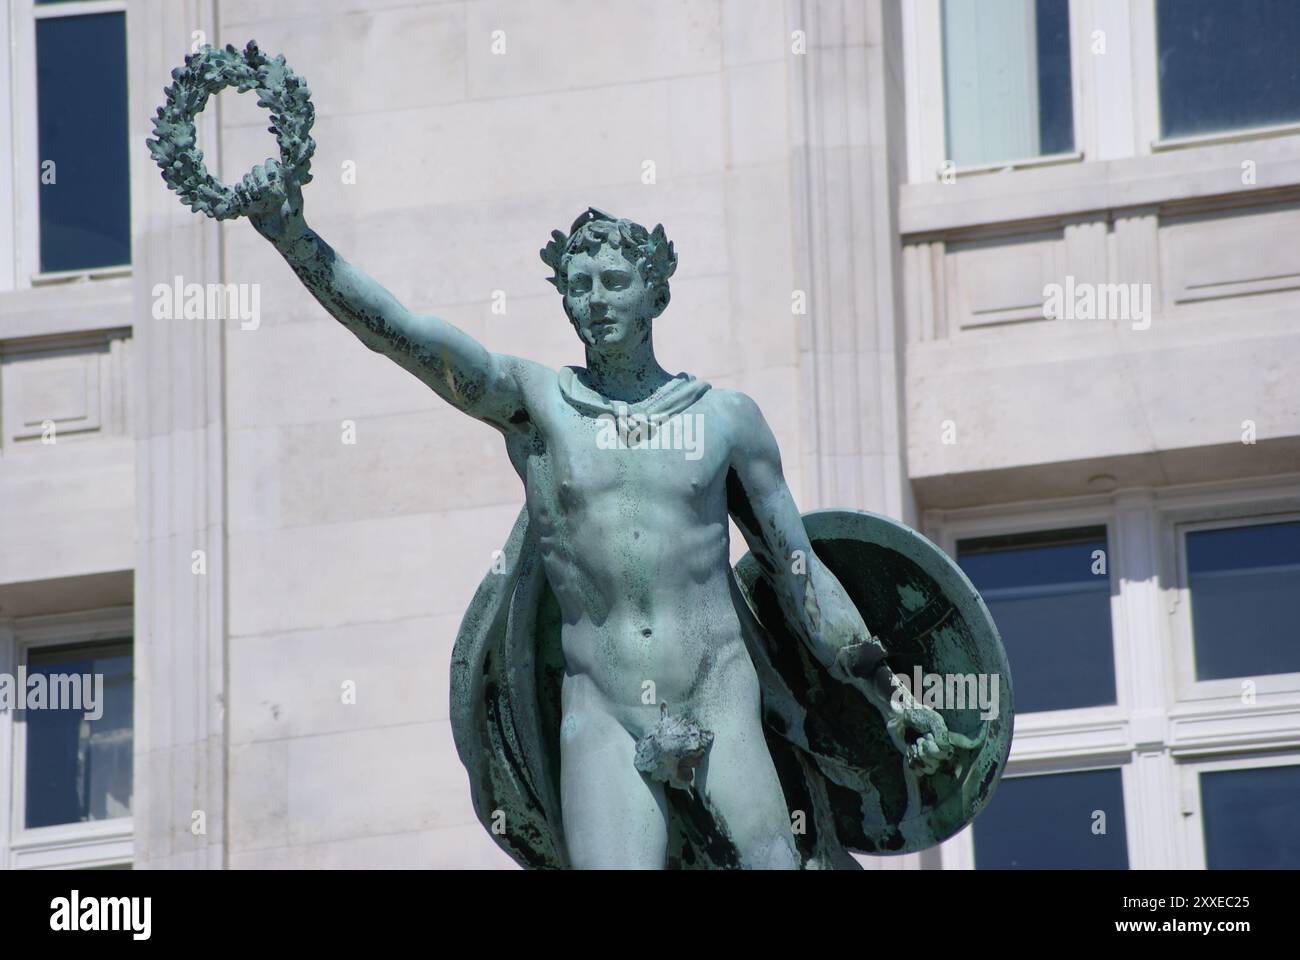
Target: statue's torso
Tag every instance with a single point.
(634, 543)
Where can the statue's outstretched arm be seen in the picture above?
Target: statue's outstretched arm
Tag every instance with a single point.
(815, 603)
(458, 368)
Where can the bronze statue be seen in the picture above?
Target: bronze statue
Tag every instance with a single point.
(621, 697)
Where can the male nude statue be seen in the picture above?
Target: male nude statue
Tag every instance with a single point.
(634, 542)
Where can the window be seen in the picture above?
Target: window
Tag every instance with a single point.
(84, 185)
(1227, 66)
(1244, 584)
(69, 744)
(1054, 821)
(1049, 594)
(79, 764)
(1192, 759)
(1007, 81)
(64, 142)
(997, 84)
(1249, 817)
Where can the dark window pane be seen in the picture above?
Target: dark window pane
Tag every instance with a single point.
(1049, 823)
(1055, 98)
(1245, 589)
(1250, 818)
(79, 768)
(82, 128)
(1007, 79)
(1226, 66)
(1052, 611)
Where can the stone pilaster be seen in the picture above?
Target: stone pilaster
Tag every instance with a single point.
(849, 153)
(180, 650)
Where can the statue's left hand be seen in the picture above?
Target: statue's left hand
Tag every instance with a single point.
(920, 735)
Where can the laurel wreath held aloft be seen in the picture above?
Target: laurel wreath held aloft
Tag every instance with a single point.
(210, 71)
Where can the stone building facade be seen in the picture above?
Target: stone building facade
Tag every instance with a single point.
(282, 528)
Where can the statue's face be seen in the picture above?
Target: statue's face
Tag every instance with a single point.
(609, 303)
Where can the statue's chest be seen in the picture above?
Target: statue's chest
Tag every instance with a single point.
(635, 460)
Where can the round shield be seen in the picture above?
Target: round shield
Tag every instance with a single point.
(941, 642)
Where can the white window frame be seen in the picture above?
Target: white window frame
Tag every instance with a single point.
(958, 851)
(1125, 79)
(926, 110)
(1147, 90)
(1053, 722)
(98, 843)
(1192, 832)
(1271, 690)
(20, 248)
(8, 181)
(1054, 741)
(1160, 727)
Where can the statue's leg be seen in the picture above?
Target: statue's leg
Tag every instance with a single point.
(614, 817)
(740, 786)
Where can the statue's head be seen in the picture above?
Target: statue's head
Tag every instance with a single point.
(613, 275)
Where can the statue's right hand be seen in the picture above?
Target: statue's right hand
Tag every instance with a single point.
(273, 203)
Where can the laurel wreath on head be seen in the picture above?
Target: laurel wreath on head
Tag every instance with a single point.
(209, 71)
(650, 250)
